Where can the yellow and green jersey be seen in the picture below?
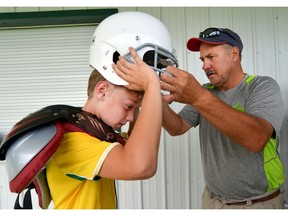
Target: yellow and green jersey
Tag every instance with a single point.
(72, 174)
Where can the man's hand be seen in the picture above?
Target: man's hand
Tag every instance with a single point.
(183, 86)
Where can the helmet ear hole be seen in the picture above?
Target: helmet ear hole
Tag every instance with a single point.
(116, 57)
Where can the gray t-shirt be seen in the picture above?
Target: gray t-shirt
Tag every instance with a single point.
(230, 170)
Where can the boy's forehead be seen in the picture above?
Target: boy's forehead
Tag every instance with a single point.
(136, 96)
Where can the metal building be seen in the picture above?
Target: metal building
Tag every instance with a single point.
(44, 61)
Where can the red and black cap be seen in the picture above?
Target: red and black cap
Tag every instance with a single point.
(215, 36)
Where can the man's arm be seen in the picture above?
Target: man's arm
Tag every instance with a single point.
(249, 131)
(172, 122)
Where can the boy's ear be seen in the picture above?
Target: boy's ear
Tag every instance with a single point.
(100, 89)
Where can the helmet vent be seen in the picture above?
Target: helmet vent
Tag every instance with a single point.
(116, 57)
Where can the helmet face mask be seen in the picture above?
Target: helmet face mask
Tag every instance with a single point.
(157, 57)
(117, 33)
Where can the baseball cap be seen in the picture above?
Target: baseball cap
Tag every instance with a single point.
(215, 36)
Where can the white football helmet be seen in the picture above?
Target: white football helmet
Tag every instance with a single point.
(145, 33)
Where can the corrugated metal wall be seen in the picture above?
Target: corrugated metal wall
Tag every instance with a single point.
(178, 183)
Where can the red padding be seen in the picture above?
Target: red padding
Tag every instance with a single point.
(20, 182)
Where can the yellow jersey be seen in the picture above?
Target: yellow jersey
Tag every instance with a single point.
(72, 174)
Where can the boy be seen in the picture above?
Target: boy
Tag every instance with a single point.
(81, 173)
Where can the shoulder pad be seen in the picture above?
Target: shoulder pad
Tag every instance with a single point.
(41, 117)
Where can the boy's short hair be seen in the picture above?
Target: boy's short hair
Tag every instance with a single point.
(94, 78)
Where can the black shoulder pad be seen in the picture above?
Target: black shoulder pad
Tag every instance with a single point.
(43, 116)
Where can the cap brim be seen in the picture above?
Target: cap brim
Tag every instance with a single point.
(193, 44)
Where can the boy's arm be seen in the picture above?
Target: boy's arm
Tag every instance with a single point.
(138, 158)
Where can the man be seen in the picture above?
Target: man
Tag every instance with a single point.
(239, 117)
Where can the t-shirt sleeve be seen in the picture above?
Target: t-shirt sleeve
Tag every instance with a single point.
(190, 115)
(265, 101)
(81, 155)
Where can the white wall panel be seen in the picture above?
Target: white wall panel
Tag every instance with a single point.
(243, 21)
(265, 41)
(7, 199)
(196, 20)
(281, 32)
(178, 183)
